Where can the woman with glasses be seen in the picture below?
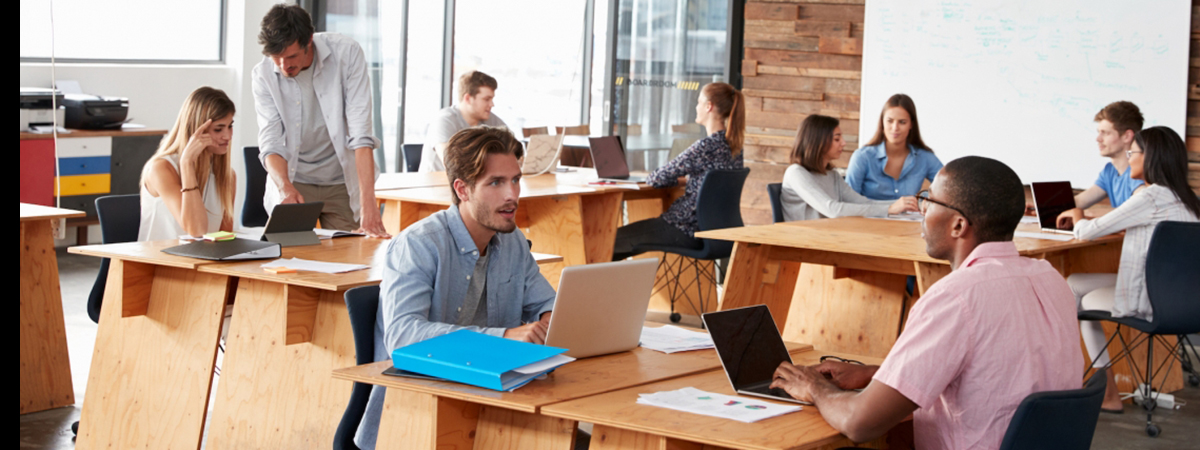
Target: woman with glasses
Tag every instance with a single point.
(1159, 157)
(813, 190)
(896, 162)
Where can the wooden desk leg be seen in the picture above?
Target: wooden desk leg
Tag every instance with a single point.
(151, 372)
(610, 438)
(45, 375)
(601, 217)
(413, 420)
(506, 429)
(755, 279)
(556, 227)
(858, 313)
(275, 390)
(391, 216)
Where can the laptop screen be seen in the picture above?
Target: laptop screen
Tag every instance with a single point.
(609, 157)
(748, 343)
(1051, 199)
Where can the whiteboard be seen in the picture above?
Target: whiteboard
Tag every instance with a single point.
(1021, 81)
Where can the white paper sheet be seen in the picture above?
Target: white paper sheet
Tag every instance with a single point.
(696, 401)
(1049, 236)
(315, 266)
(671, 339)
(544, 365)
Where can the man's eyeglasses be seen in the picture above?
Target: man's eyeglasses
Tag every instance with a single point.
(923, 201)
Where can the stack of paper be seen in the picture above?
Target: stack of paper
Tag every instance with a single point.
(908, 216)
(315, 266)
(670, 339)
(696, 401)
(1047, 236)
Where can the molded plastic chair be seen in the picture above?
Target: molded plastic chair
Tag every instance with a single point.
(411, 158)
(1061, 420)
(254, 214)
(1171, 284)
(120, 216)
(362, 304)
(775, 192)
(718, 206)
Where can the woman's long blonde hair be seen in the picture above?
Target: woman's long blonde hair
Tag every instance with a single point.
(202, 105)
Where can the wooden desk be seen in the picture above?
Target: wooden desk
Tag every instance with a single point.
(408, 180)
(620, 423)
(155, 349)
(434, 414)
(45, 376)
(850, 294)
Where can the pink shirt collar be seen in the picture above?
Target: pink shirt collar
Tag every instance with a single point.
(1005, 249)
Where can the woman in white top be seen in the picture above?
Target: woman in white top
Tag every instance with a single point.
(1159, 157)
(188, 185)
(813, 190)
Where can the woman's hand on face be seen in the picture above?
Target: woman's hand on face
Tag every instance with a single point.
(199, 141)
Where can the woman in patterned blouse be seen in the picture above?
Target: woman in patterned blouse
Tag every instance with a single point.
(721, 110)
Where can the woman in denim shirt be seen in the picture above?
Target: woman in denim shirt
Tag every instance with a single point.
(896, 162)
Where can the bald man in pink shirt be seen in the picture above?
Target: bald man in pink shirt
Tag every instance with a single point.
(996, 329)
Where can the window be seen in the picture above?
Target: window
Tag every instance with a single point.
(172, 31)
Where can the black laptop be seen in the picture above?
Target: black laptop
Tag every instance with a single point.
(750, 348)
(1051, 199)
(608, 155)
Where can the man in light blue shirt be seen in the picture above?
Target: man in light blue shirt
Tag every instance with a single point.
(1116, 125)
(467, 267)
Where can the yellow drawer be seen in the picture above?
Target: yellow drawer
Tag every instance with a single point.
(83, 184)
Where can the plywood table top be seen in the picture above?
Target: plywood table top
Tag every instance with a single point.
(440, 195)
(408, 180)
(619, 409)
(871, 237)
(144, 252)
(578, 379)
(38, 212)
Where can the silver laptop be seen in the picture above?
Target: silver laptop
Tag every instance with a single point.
(1051, 199)
(608, 156)
(750, 348)
(601, 307)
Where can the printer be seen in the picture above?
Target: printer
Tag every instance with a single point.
(93, 112)
(37, 107)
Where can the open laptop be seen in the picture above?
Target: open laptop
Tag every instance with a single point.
(292, 224)
(601, 307)
(608, 155)
(750, 348)
(541, 155)
(1051, 199)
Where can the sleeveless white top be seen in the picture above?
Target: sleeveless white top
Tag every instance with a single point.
(157, 221)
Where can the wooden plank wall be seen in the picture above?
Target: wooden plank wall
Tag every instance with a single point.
(805, 57)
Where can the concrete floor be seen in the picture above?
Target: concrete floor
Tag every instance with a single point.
(52, 429)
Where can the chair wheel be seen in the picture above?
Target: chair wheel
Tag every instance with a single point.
(1152, 430)
(676, 317)
(75, 428)
(1193, 380)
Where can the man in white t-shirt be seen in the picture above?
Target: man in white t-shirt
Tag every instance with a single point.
(476, 91)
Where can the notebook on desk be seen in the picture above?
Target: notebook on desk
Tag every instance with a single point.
(751, 349)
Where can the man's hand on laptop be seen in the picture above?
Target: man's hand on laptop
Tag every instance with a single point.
(847, 376)
(531, 332)
(800, 382)
(1069, 218)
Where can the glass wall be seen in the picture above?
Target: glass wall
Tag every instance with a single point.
(665, 51)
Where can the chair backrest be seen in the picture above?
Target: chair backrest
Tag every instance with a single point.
(719, 206)
(1172, 281)
(527, 132)
(362, 304)
(678, 145)
(578, 130)
(1057, 419)
(411, 158)
(254, 214)
(120, 216)
(775, 192)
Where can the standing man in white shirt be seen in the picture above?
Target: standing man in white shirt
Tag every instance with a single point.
(476, 91)
(313, 100)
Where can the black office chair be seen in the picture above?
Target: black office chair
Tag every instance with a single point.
(362, 304)
(718, 206)
(254, 214)
(1172, 284)
(120, 216)
(775, 193)
(410, 160)
(1061, 420)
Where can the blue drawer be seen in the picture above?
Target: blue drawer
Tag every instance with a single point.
(84, 165)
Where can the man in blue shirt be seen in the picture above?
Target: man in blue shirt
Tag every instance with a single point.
(467, 267)
(1115, 126)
